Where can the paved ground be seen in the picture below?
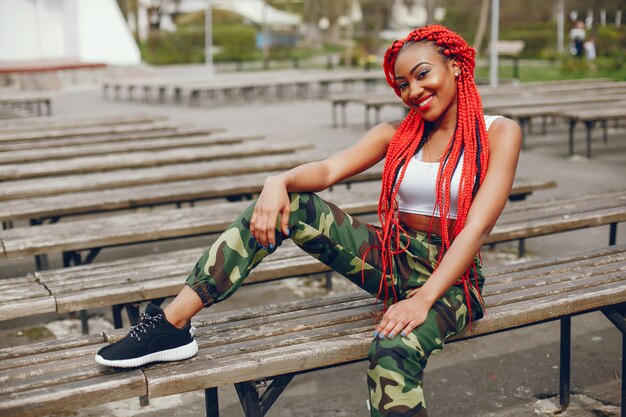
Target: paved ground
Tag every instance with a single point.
(509, 374)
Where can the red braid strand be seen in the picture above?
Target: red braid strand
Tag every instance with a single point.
(469, 142)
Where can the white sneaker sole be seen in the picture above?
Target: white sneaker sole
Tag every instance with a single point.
(176, 354)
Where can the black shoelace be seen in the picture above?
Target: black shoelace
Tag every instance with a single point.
(145, 322)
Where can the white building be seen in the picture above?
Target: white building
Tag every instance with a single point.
(77, 30)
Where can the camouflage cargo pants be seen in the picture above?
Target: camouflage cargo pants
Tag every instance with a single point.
(340, 241)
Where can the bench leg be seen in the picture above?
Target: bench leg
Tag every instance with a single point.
(249, 398)
(589, 126)
(41, 262)
(564, 384)
(618, 318)
(328, 280)
(116, 310)
(211, 402)
(612, 234)
(523, 121)
(572, 125)
(255, 406)
(521, 248)
(84, 321)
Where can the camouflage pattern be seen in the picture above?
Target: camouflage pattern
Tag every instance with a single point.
(348, 246)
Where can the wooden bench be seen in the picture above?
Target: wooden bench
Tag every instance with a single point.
(38, 209)
(36, 104)
(101, 163)
(248, 86)
(249, 347)
(79, 141)
(590, 118)
(63, 122)
(516, 97)
(183, 139)
(122, 282)
(525, 114)
(53, 185)
(192, 221)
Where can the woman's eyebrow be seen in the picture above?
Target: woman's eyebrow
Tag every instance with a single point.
(412, 69)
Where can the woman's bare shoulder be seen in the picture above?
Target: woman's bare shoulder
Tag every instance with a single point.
(504, 130)
(385, 130)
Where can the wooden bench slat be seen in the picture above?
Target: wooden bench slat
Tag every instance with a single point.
(132, 273)
(236, 317)
(51, 373)
(143, 159)
(143, 195)
(581, 281)
(196, 375)
(20, 354)
(67, 152)
(557, 224)
(84, 131)
(550, 307)
(74, 395)
(37, 187)
(62, 122)
(162, 224)
(608, 251)
(526, 278)
(29, 307)
(80, 141)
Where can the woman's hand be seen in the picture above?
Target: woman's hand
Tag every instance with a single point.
(403, 317)
(272, 201)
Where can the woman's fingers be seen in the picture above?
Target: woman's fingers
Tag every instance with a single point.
(400, 319)
(409, 328)
(284, 220)
(270, 230)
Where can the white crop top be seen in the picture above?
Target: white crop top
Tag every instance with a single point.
(417, 192)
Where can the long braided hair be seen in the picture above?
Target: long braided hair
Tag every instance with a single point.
(469, 142)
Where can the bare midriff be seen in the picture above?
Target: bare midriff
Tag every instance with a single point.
(422, 223)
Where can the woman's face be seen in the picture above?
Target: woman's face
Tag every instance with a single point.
(426, 81)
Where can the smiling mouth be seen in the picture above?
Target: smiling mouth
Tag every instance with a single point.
(425, 102)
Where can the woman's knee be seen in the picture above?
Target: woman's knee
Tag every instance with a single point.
(397, 353)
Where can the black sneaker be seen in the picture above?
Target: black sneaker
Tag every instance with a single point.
(153, 339)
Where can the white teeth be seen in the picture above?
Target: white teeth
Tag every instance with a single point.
(425, 102)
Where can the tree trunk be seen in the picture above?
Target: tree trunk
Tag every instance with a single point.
(482, 25)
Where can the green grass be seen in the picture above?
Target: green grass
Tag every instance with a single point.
(546, 71)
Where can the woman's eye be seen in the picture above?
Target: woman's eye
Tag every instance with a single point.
(402, 86)
(422, 74)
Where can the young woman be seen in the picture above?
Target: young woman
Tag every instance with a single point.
(447, 176)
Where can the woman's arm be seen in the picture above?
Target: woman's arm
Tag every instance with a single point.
(315, 176)
(505, 142)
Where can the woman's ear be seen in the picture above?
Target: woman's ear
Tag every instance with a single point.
(454, 67)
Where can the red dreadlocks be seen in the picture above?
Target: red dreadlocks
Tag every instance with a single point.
(469, 141)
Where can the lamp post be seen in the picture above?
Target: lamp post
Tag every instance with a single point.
(208, 37)
(560, 28)
(493, 54)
